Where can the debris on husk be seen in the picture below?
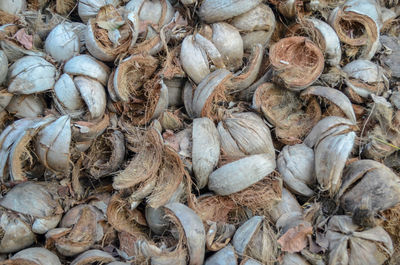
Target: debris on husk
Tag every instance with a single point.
(199, 132)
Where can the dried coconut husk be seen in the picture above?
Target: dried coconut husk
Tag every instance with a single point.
(144, 166)
(63, 7)
(150, 102)
(322, 34)
(334, 96)
(80, 237)
(357, 25)
(245, 134)
(256, 239)
(123, 219)
(297, 62)
(282, 108)
(16, 158)
(214, 208)
(384, 137)
(109, 22)
(368, 187)
(218, 235)
(130, 75)
(261, 196)
(7, 18)
(171, 120)
(12, 47)
(349, 244)
(288, 8)
(389, 220)
(106, 154)
(333, 139)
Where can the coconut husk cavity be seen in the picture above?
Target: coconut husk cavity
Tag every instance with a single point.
(292, 117)
(297, 62)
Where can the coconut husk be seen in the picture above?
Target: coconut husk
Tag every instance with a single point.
(297, 62)
(349, 244)
(123, 219)
(7, 18)
(218, 235)
(144, 165)
(261, 196)
(368, 187)
(63, 7)
(390, 220)
(131, 74)
(106, 154)
(291, 116)
(263, 246)
(357, 26)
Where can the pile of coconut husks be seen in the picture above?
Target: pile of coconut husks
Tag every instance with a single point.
(218, 132)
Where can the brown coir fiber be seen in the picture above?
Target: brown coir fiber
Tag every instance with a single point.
(297, 62)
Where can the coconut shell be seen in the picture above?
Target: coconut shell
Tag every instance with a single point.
(26, 106)
(194, 59)
(62, 43)
(296, 164)
(86, 65)
(205, 149)
(3, 67)
(67, 95)
(238, 175)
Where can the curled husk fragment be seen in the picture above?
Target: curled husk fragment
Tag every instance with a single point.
(241, 174)
(106, 154)
(16, 232)
(210, 93)
(259, 21)
(323, 35)
(363, 78)
(292, 117)
(205, 149)
(34, 256)
(26, 106)
(297, 62)
(256, 238)
(16, 161)
(62, 43)
(384, 135)
(332, 141)
(110, 34)
(226, 256)
(193, 230)
(83, 132)
(214, 10)
(245, 134)
(80, 229)
(3, 67)
(31, 74)
(36, 200)
(93, 256)
(357, 24)
(335, 96)
(130, 75)
(88, 8)
(296, 164)
(53, 144)
(368, 187)
(349, 245)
